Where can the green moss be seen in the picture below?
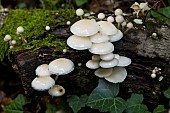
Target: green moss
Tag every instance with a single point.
(34, 22)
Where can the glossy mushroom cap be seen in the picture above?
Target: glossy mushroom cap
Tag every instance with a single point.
(42, 83)
(79, 43)
(42, 70)
(102, 48)
(56, 91)
(84, 27)
(92, 64)
(109, 64)
(124, 61)
(107, 28)
(118, 75)
(61, 66)
(108, 56)
(103, 72)
(98, 38)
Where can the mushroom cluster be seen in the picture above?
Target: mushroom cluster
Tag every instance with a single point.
(97, 37)
(44, 81)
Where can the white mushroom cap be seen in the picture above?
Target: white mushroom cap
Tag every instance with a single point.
(61, 66)
(108, 56)
(42, 70)
(47, 28)
(98, 38)
(79, 12)
(118, 12)
(109, 64)
(119, 18)
(103, 72)
(123, 23)
(13, 42)
(79, 43)
(116, 37)
(118, 75)
(20, 29)
(110, 19)
(102, 48)
(42, 83)
(107, 28)
(124, 61)
(101, 16)
(95, 57)
(56, 90)
(7, 38)
(92, 64)
(130, 25)
(85, 27)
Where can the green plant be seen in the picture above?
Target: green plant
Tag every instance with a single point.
(81, 2)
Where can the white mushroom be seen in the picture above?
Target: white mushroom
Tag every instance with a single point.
(79, 12)
(42, 70)
(56, 91)
(85, 27)
(118, 12)
(42, 83)
(119, 19)
(107, 28)
(79, 43)
(7, 38)
(124, 61)
(47, 28)
(102, 48)
(110, 19)
(61, 66)
(108, 56)
(92, 64)
(103, 72)
(117, 56)
(13, 42)
(118, 75)
(20, 29)
(116, 37)
(98, 38)
(109, 63)
(101, 16)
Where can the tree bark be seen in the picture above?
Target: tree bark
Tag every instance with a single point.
(146, 52)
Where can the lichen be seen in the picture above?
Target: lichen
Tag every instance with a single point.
(33, 22)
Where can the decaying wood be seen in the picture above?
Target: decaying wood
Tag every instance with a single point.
(146, 52)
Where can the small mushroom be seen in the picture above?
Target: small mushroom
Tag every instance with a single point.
(7, 38)
(101, 16)
(20, 29)
(79, 43)
(84, 27)
(118, 75)
(61, 66)
(79, 12)
(102, 48)
(119, 19)
(108, 56)
(47, 28)
(124, 61)
(92, 64)
(109, 63)
(118, 12)
(107, 28)
(110, 19)
(42, 83)
(103, 72)
(56, 91)
(42, 70)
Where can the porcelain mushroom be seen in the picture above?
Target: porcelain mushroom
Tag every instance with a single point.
(124, 61)
(109, 64)
(61, 66)
(85, 27)
(42, 70)
(56, 91)
(103, 72)
(102, 48)
(42, 83)
(118, 75)
(79, 43)
(116, 37)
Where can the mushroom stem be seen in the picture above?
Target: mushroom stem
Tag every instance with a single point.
(24, 41)
(56, 77)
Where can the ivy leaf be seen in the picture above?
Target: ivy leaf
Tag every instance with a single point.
(17, 105)
(103, 98)
(134, 104)
(81, 2)
(162, 14)
(159, 109)
(77, 103)
(167, 93)
(51, 108)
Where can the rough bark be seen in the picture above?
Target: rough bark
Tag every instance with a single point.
(146, 52)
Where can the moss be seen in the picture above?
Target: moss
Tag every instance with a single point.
(34, 22)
